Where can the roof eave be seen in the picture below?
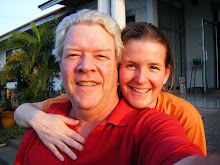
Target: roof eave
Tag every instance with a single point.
(48, 4)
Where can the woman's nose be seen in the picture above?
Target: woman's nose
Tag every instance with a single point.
(141, 77)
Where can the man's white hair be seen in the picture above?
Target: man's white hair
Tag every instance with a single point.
(90, 17)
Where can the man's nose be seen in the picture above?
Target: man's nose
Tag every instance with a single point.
(141, 76)
(86, 64)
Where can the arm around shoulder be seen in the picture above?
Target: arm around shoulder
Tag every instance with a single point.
(25, 113)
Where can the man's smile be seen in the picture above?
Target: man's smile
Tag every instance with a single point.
(87, 83)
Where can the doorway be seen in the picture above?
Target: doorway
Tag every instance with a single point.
(210, 54)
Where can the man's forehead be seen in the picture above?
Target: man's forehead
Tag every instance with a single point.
(83, 36)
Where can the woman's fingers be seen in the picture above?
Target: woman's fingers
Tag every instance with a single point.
(54, 150)
(72, 134)
(57, 136)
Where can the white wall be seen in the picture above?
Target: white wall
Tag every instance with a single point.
(193, 16)
(57, 83)
(2, 59)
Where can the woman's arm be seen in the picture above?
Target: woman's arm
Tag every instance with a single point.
(52, 129)
(25, 113)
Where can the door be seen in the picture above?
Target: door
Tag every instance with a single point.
(210, 55)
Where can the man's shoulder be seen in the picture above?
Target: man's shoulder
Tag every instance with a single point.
(60, 98)
(124, 113)
(62, 108)
(48, 102)
(154, 117)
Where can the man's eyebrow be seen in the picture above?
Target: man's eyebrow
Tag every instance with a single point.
(70, 48)
(103, 50)
(95, 50)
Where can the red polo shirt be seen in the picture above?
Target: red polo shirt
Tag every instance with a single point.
(128, 136)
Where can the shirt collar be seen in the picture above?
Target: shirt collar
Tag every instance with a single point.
(60, 108)
(121, 115)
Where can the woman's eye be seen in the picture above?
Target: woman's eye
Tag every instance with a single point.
(131, 66)
(153, 67)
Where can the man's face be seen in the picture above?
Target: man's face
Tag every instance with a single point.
(89, 67)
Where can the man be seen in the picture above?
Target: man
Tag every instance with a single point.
(88, 48)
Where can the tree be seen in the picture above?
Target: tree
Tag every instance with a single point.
(31, 62)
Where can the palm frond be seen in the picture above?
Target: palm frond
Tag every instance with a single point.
(35, 32)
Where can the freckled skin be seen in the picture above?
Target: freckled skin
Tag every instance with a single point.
(142, 72)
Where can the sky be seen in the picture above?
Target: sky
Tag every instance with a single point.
(14, 13)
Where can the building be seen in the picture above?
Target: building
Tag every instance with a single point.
(192, 27)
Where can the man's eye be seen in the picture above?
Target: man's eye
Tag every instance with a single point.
(102, 57)
(73, 55)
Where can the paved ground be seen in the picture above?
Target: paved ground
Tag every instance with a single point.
(208, 105)
(211, 120)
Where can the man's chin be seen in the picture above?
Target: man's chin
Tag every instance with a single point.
(87, 104)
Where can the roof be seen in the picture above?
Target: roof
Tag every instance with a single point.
(38, 21)
(68, 3)
(69, 6)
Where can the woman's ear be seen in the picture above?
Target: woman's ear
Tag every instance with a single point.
(167, 74)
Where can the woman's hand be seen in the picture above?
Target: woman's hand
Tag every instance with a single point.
(52, 129)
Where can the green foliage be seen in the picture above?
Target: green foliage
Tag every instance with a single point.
(15, 132)
(3, 136)
(5, 103)
(3, 140)
(31, 63)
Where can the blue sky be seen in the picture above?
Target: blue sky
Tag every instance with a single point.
(14, 13)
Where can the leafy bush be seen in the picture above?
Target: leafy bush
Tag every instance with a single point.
(15, 132)
(3, 137)
(3, 140)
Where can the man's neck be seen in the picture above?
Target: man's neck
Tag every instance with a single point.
(89, 119)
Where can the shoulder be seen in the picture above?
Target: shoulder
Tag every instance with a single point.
(48, 102)
(153, 128)
(171, 104)
(153, 119)
(170, 98)
(62, 108)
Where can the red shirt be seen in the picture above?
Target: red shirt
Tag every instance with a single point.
(128, 136)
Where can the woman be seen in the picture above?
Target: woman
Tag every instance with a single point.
(146, 65)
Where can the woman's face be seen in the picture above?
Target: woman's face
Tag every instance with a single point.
(142, 72)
